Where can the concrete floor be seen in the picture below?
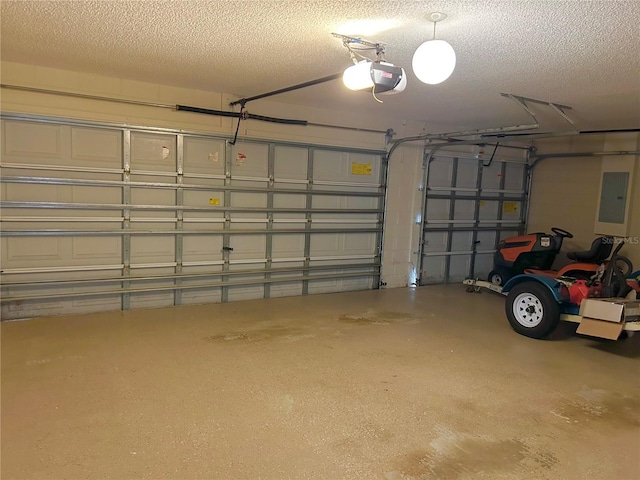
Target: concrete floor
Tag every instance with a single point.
(396, 384)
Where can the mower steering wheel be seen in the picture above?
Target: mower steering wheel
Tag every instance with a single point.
(614, 280)
(561, 233)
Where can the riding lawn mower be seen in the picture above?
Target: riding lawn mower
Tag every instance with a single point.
(535, 253)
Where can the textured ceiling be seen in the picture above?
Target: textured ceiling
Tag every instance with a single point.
(585, 54)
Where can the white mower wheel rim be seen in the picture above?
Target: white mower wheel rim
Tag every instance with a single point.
(496, 279)
(528, 310)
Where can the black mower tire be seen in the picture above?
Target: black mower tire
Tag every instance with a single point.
(532, 310)
(498, 277)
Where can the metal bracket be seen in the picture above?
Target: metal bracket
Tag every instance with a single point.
(556, 107)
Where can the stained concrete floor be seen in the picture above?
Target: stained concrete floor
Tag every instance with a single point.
(402, 384)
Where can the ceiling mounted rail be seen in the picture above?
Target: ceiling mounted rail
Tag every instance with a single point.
(245, 100)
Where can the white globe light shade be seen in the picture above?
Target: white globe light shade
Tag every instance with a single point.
(434, 61)
(358, 76)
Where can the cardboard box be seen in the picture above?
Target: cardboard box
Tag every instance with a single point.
(605, 317)
(618, 310)
(600, 328)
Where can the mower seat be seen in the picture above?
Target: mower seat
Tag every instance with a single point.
(598, 253)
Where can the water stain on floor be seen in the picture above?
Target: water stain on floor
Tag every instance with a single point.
(591, 405)
(259, 335)
(456, 456)
(371, 317)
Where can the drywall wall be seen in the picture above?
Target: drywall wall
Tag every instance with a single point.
(565, 192)
(403, 196)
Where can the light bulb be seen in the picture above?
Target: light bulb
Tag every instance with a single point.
(434, 61)
(358, 76)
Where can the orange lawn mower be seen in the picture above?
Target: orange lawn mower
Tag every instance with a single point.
(535, 253)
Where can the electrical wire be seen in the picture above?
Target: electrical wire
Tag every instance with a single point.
(373, 92)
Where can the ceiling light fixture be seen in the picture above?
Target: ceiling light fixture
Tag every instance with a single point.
(434, 60)
(358, 76)
(378, 75)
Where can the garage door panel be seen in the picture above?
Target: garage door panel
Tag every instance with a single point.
(352, 203)
(459, 268)
(153, 152)
(204, 156)
(287, 246)
(249, 159)
(151, 299)
(435, 242)
(95, 147)
(201, 295)
(324, 244)
(97, 249)
(248, 247)
(441, 173)
(103, 195)
(33, 308)
(33, 251)
(464, 210)
(202, 248)
(152, 249)
(486, 240)
(36, 193)
(514, 177)
(285, 289)
(289, 201)
(248, 199)
(329, 165)
(327, 201)
(483, 265)
(152, 196)
(461, 241)
(26, 142)
(511, 210)
(245, 292)
(491, 178)
(290, 163)
(437, 209)
(204, 198)
(359, 244)
(433, 270)
(467, 175)
(488, 210)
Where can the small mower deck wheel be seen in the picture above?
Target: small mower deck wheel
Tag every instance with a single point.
(497, 278)
(532, 310)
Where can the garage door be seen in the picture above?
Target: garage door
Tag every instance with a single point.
(100, 217)
(470, 204)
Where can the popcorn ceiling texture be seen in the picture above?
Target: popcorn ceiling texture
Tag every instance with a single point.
(580, 53)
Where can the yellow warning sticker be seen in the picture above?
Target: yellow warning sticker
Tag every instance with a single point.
(361, 168)
(509, 207)
(482, 203)
(214, 201)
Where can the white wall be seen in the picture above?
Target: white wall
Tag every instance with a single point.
(401, 232)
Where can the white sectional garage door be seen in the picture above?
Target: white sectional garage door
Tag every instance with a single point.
(101, 217)
(470, 204)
